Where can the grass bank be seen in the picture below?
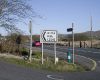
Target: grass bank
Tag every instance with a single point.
(61, 66)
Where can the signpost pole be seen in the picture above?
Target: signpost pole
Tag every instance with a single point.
(42, 52)
(55, 51)
(73, 40)
(30, 26)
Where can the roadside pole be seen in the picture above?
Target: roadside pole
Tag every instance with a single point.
(30, 27)
(73, 40)
(42, 53)
(55, 51)
(91, 33)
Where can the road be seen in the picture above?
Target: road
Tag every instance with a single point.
(13, 72)
(87, 52)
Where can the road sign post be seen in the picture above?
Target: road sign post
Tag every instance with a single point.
(42, 53)
(55, 51)
(69, 56)
(72, 30)
(73, 40)
(49, 36)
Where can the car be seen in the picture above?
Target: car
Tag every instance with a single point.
(36, 43)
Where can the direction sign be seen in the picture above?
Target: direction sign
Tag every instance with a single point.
(69, 29)
(49, 36)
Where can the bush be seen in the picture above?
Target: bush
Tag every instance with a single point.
(24, 52)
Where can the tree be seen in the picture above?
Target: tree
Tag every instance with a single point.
(12, 11)
(12, 44)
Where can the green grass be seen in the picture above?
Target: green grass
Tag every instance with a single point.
(36, 55)
(49, 65)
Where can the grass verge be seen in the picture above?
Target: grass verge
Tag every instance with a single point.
(61, 66)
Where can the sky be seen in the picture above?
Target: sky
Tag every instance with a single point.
(60, 14)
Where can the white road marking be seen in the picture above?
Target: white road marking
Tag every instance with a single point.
(79, 50)
(98, 61)
(82, 50)
(89, 51)
(96, 52)
(54, 77)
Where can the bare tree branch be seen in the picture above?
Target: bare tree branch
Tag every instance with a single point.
(12, 11)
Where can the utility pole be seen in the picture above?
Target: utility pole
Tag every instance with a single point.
(30, 28)
(91, 34)
(73, 40)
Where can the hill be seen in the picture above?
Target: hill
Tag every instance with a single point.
(95, 34)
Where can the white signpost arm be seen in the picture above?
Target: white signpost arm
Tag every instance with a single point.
(42, 52)
(55, 51)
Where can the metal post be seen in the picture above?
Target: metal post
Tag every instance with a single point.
(91, 35)
(55, 51)
(80, 44)
(42, 52)
(30, 26)
(69, 43)
(73, 40)
(84, 44)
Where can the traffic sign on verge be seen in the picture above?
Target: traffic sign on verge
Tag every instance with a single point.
(49, 36)
(72, 30)
(69, 29)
